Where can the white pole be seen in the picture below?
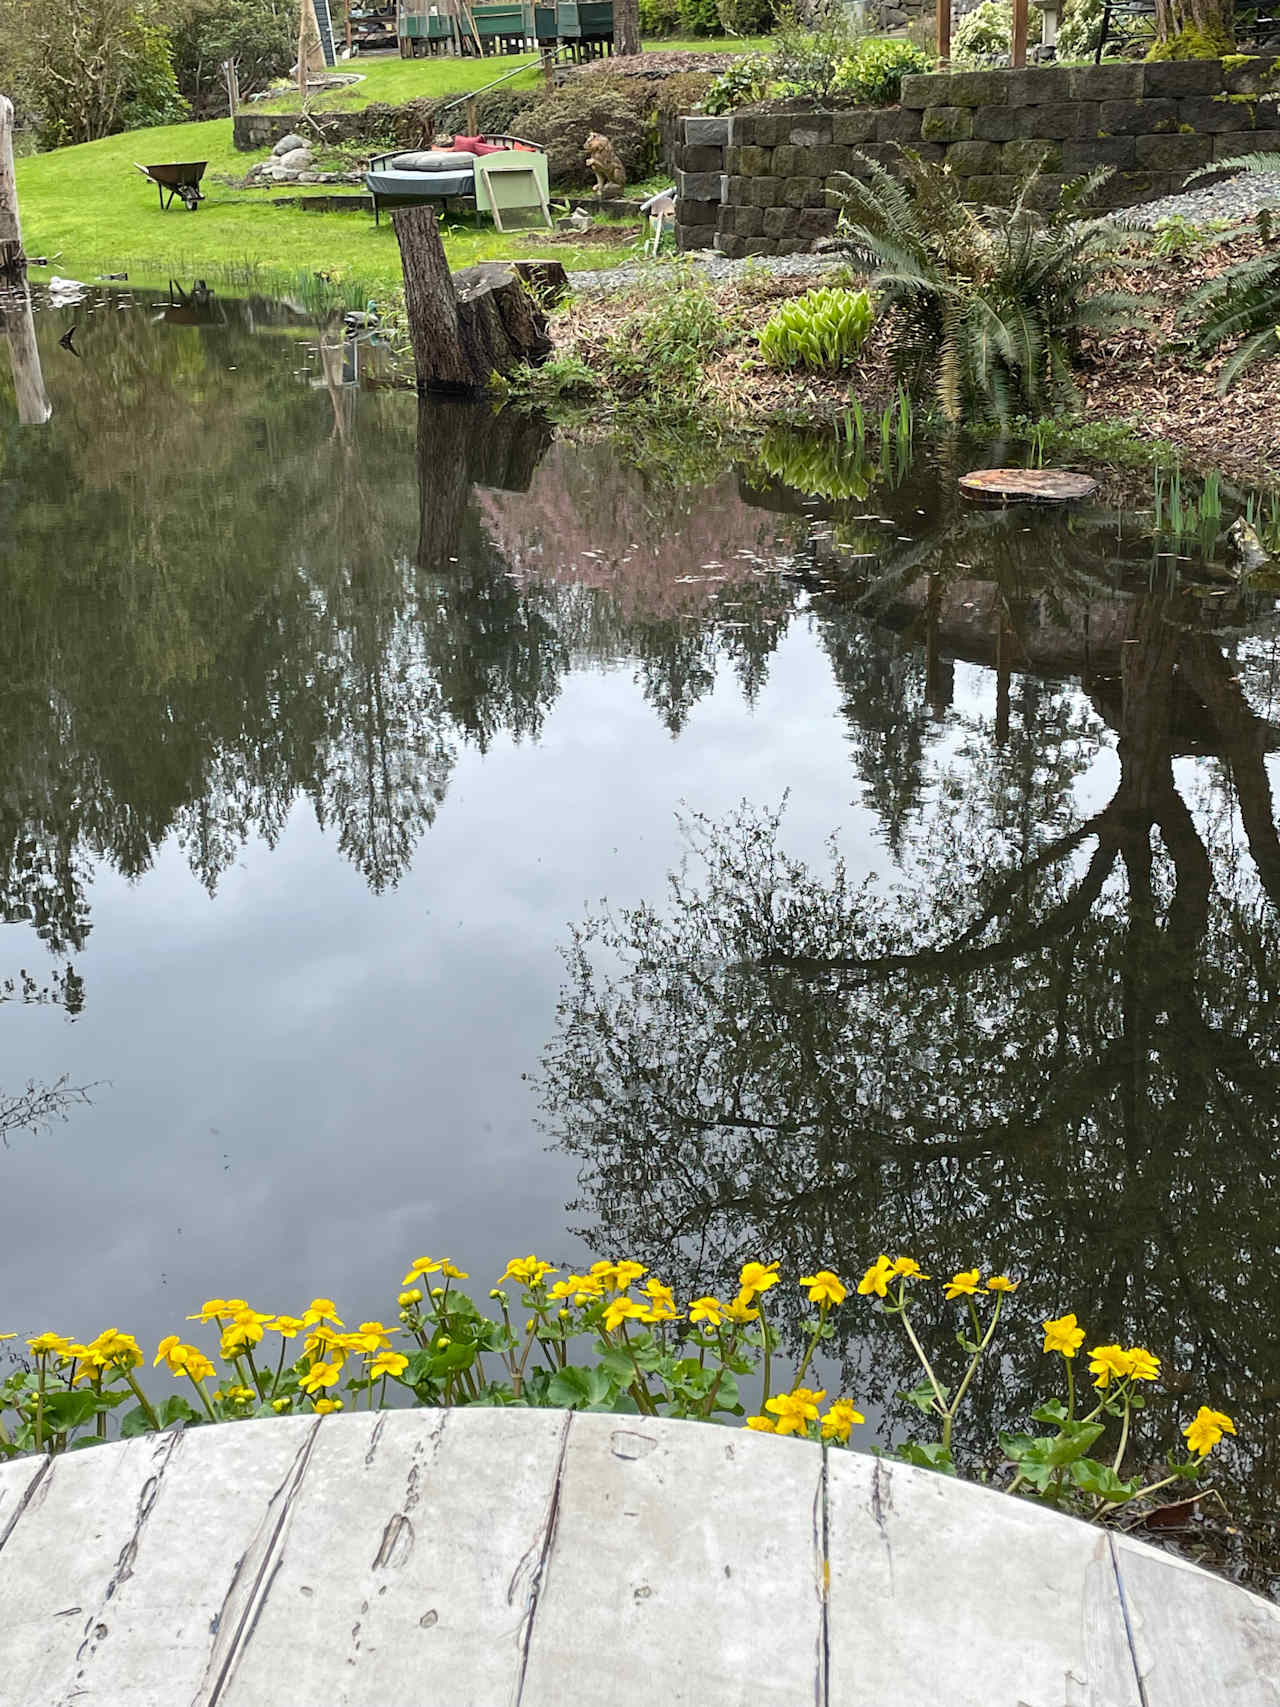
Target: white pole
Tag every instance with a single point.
(10, 225)
(17, 320)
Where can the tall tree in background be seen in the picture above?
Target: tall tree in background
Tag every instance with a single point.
(626, 26)
(259, 35)
(1194, 29)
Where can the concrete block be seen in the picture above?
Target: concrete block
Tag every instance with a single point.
(748, 221)
(1137, 118)
(999, 124)
(1029, 153)
(790, 162)
(766, 192)
(816, 222)
(754, 160)
(997, 190)
(1182, 77)
(926, 89)
(974, 159)
(724, 215)
(1037, 85)
(730, 244)
(811, 131)
(694, 237)
(774, 128)
(782, 221)
(733, 161)
(698, 186)
(1207, 116)
(976, 89)
(1127, 189)
(1178, 154)
(1086, 153)
(703, 160)
(1105, 82)
(760, 246)
(1228, 143)
(898, 124)
(699, 132)
(946, 124)
(1250, 78)
(734, 190)
(1060, 119)
(742, 129)
(853, 128)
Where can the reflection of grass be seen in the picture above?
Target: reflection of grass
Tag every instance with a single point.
(89, 207)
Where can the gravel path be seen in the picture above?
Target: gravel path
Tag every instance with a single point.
(711, 265)
(1237, 198)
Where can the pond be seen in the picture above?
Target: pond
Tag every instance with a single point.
(347, 747)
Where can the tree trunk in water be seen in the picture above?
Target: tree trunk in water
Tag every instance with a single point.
(464, 326)
(12, 261)
(626, 26)
(18, 324)
(310, 49)
(1202, 28)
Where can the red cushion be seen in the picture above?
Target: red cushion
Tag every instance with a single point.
(490, 148)
(468, 144)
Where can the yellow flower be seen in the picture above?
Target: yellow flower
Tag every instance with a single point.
(198, 1366)
(241, 1395)
(388, 1363)
(1206, 1429)
(618, 1310)
(43, 1344)
(173, 1354)
(322, 1342)
(279, 1405)
(962, 1285)
(841, 1416)
(1002, 1283)
(321, 1310)
(1108, 1363)
(762, 1425)
(288, 1327)
(708, 1310)
(412, 1296)
(529, 1271)
(877, 1278)
(908, 1268)
(320, 1375)
(1142, 1366)
(740, 1310)
(824, 1288)
(617, 1276)
(371, 1336)
(422, 1265)
(1064, 1335)
(795, 1411)
(115, 1350)
(447, 1269)
(8, 1336)
(755, 1278)
(659, 1296)
(324, 1407)
(210, 1310)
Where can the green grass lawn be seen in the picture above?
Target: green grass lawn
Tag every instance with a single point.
(389, 78)
(89, 208)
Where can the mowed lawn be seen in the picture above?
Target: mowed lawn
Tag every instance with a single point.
(90, 209)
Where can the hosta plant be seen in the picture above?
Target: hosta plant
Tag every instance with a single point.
(821, 329)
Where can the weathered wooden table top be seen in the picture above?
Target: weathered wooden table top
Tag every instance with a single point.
(491, 1558)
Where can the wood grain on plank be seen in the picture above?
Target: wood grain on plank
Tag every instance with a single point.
(685, 1568)
(945, 1591)
(1199, 1641)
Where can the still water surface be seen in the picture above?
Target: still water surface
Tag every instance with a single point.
(345, 751)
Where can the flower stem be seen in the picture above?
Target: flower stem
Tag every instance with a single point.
(950, 1417)
(143, 1400)
(813, 1344)
(766, 1371)
(1124, 1437)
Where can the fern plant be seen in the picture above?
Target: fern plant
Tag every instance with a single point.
(1243, 302)
(821, 329)
(989, 302)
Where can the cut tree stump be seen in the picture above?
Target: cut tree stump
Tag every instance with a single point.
(465, 326)
(13, 264)
(1026, 486)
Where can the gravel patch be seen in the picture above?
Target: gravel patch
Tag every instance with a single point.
(710, 265)
(1238, 198)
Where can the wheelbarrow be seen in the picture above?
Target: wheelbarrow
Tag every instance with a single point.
(177, 179)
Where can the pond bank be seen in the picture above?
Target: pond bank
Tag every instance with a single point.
(569, 1558)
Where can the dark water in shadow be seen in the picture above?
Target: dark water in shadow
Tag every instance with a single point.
(324, 720)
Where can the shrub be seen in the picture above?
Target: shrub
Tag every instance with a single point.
(260, 35)
(821, 329)
(747, 17)
(1080, 30)
(985, 35)
(700, 18)
(90, 70)
(989, 305)
(745, 82)
(663, 349)
(562, 121)
(812, 47)
(874, 74)
(659, 17)
(681, 92)
(1243, 302)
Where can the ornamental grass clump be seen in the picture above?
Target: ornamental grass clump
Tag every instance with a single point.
(988, 304)
(820, 330)
(613, 1338)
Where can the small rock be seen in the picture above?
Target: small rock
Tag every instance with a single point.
(297, 160)
(308, 177)
(287, 144)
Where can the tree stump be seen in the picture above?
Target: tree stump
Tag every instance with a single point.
(13, 264)
(464, 326)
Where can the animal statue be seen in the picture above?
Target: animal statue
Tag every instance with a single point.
(603, 160)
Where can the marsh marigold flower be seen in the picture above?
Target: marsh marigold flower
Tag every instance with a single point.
(320, 1375)
(824, 1287)
(325, 1407)
(388, 1363)
(419, 1267)
(211, 1310)
(288, 1327)
(617, 1276)
(412, 1296)
(908, 1268)
(8, 1336)
(838, 1424)
(198, 1366)
(529, 1271)
(1142, 1365)
(1063, 1334)
(795, 1411)
(739, 1310)
(370, 1336)
(962, 1285)
(44, 1344)
(876, 1279)
(452, 1273)
(322, 1310)
(619, 1310)
(755, 1278)
(1002, 1283)
(582, 1288)
(762, 1425)
(115, 1350)
(708, 1310)
(1206, 1429)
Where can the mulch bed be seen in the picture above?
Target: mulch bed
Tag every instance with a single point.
(655, 65)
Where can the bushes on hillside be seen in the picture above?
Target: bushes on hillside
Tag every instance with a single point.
(562, 121)
(706, 17)
(260, 35)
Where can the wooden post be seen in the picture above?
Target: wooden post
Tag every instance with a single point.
(944, 32)
(18, 323)
(13, 262)
(473, 119)
(1019, 54)
(464, 327)
(233, 86)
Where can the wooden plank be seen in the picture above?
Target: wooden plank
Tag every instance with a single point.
(945, 1591)
(116, 1572)
(407, 1571)
(685, 1570)
(1199, 1641)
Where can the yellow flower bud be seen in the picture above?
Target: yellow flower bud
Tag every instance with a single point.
(412, 1296)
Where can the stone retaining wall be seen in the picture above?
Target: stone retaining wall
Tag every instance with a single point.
(762, 181)
(252, 132)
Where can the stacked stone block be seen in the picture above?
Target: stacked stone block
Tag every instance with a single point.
(765, 181)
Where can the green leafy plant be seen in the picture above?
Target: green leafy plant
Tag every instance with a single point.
(812, 46)
(662, 350)
(873, 74)
(821, 329)
(983, 36)
(1175, 235)
(745, 82)
(1244, 302)
(1080, 30)
(989, 304)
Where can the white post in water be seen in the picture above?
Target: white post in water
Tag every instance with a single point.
(16, 319)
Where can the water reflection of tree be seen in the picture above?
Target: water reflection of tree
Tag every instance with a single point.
(1053, 1048)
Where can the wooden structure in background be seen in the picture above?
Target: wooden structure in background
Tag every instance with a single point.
(1018, 56)
(585, 27)
(476, 1557)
